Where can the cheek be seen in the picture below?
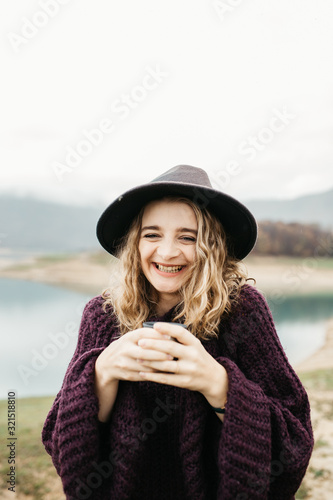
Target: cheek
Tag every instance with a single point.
(144, 254)
(191, 256)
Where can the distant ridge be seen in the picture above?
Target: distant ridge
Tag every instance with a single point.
(309, 209)
(36, 225)
(40, 226)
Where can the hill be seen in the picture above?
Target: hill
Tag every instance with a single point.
(41, 226)
(309, 209)
(29, 224)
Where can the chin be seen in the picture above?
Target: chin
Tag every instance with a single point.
(162, 289)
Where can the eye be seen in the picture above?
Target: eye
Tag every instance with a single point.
(188, 238)
(151, 236)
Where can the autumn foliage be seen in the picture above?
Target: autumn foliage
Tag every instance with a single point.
(293, 239)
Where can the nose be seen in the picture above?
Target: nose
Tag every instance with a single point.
(167, 249)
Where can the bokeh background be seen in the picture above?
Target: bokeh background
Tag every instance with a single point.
(97, 97)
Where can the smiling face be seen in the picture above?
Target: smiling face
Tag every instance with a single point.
(167, 247)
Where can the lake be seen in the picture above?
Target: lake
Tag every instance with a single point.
(39, 325)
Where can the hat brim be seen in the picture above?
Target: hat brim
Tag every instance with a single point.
(237, 221)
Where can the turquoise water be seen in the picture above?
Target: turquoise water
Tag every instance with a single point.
(301, 324)
(39, 325)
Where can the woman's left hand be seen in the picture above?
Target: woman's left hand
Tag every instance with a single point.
(194, 369)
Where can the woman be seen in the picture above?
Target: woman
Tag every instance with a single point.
(210, 411)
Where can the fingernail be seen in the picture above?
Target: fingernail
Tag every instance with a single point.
(167, 337)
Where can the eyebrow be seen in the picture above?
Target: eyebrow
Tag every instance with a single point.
(179, 229)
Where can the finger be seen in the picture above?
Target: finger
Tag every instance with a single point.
(163, 346)
(178, 332)
(133, 365)
(151, 333)
(124, 367)
(134, 375)
(151, 355)
(171, 366)
(164, 378)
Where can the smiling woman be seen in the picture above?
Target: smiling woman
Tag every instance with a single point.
(218, 414)
(205, 287)
(168, 253)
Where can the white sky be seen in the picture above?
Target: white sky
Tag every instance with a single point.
(226, 74)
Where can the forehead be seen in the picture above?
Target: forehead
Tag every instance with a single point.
(169, 210)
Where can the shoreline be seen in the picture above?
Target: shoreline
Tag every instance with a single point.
(323, 357)
(275, 277)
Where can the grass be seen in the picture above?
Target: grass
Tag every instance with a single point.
(320, 443)
(43, 260)
(102, 258)
(19, 267)
(302, 492)
(52, 258)
(34, 468)
(319, 380)
(317, 472)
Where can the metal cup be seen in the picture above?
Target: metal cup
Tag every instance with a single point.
(150, 324)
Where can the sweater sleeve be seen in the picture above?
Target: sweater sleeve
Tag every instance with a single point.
(72, 434)
(266, 440)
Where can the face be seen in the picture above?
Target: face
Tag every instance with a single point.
(167, 246)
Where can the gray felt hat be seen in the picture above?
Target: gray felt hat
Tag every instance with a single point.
(193, 183)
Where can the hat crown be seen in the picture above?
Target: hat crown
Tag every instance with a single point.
(180, 181)
(185, 174)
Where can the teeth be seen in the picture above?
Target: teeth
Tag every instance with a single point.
(169, 269)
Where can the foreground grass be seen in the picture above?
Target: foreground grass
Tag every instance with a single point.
(318, 480)
(35, 472)
(319, 379)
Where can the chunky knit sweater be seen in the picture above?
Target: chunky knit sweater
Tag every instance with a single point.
(166, 443)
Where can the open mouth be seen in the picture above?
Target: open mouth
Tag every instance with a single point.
(168, 269)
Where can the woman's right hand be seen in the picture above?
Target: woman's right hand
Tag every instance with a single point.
(119, 361)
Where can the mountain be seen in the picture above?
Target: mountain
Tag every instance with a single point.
(29, 224)
(309, 209)
(36, 225)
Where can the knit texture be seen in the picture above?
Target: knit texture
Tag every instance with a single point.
(166, 443)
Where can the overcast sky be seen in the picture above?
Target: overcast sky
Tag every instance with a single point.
(242, 89)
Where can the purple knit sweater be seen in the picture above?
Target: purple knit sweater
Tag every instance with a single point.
(166, 443)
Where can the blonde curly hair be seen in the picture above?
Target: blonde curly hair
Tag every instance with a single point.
(213, 284)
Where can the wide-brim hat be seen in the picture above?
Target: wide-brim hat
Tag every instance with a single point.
(193, 183)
